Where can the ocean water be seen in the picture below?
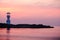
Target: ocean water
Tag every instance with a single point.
(30, 34)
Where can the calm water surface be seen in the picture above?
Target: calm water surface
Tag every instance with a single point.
(30, 34)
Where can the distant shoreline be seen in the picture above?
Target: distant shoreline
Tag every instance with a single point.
(4, 25)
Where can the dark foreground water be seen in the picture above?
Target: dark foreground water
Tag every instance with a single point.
(30, 34)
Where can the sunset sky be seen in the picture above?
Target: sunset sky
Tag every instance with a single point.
(31, 11)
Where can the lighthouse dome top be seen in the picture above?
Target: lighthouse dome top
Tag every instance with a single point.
(8, 12)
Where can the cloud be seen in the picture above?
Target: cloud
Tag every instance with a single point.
(56, 3)
(17, 1)
(48, 3)
(41, 3)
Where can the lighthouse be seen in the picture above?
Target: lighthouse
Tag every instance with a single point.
(8, 18)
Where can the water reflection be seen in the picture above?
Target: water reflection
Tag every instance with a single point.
(30, 34)
(8, 35)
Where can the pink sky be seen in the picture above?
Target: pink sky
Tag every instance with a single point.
(31, 11)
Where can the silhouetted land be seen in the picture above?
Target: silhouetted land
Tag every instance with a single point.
(4, 25)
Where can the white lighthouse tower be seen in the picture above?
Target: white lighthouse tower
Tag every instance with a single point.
(8, 18)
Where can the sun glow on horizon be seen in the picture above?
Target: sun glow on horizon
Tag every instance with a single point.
(7, 9)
